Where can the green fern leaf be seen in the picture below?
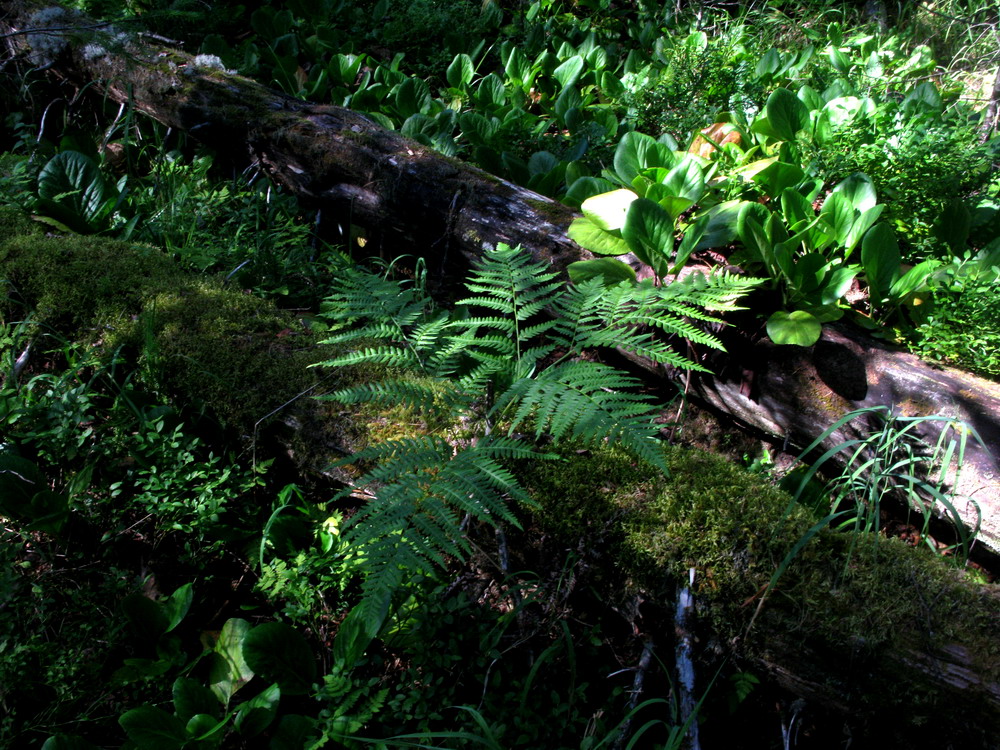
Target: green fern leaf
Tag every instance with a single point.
(588, 401)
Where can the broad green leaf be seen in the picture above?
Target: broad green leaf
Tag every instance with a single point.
(517, 67)
(346, 68)
(229, 670)
(490, 92)
(751, 170)
(769, 65)
(153, 728)
(796, 208)
(597, 58)
(861, 225)
(280, 653)
(613, 271)
(147, 618)
(859, 190)
(880, 259)
(256, 715)
(569, 72)
(636, 152)
(721, 227)
(674, 205)
(750, 229)
(569, 99)
(542, 162)
(837, 283)
(811, 98)
(72, 189)
(477, 128)
(777, 176)
(413, 97)
(649, 232)
(842, 111)
(839, 60)
(191, 697)
(838, 216)
(784, 260)
(913, 280)
(786, 114)
(775, 230)
(608, 210)
(200, 727)
(586, 187)
(460, 71)
(589, 236)
(923, 96)
(176, 606)
(953, 225)
(686, 180)
(357, 631)
(67, 742)
(799, 328)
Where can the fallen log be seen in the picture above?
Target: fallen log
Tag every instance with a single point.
(443, 208)
(879, 636)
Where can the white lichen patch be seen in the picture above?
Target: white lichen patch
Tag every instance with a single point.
(212, 62)
(50, 36)
(50, 31)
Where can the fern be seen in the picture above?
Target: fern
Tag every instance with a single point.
(587, 401)
(497, 359)
(422, 487)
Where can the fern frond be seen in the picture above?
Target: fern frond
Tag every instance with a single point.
(624, 316)
(366, 296)
(422, 488)
(436, 397)
(391, 356)
(508, 281)
(588, 401)
(387, 312)
(718, 291)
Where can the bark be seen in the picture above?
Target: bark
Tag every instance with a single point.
(449, 211)
(795, 393)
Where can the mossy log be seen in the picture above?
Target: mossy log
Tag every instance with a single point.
(443, 208)
(888, 641)
(875, 636)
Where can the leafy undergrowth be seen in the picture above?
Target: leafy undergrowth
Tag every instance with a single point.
(478, 538)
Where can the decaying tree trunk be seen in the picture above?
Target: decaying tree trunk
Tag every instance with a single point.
(444, 209)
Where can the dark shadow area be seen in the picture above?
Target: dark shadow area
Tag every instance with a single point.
(841, 370)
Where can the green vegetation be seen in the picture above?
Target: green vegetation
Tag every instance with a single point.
(257, 492)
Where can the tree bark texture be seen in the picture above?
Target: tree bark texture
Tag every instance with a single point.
(449, 212)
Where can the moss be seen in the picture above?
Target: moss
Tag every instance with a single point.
(16, 223)
(235, 353)
(553, 212)
(861, 608)
(196, 342)
(80, 286)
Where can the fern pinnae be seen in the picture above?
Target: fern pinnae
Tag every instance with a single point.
(390, 356)
(587, 401)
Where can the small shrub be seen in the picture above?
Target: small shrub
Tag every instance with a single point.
(964, 329)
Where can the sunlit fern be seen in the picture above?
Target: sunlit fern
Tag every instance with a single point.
(508, 357)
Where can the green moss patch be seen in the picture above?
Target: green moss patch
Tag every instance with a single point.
(854, 615)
